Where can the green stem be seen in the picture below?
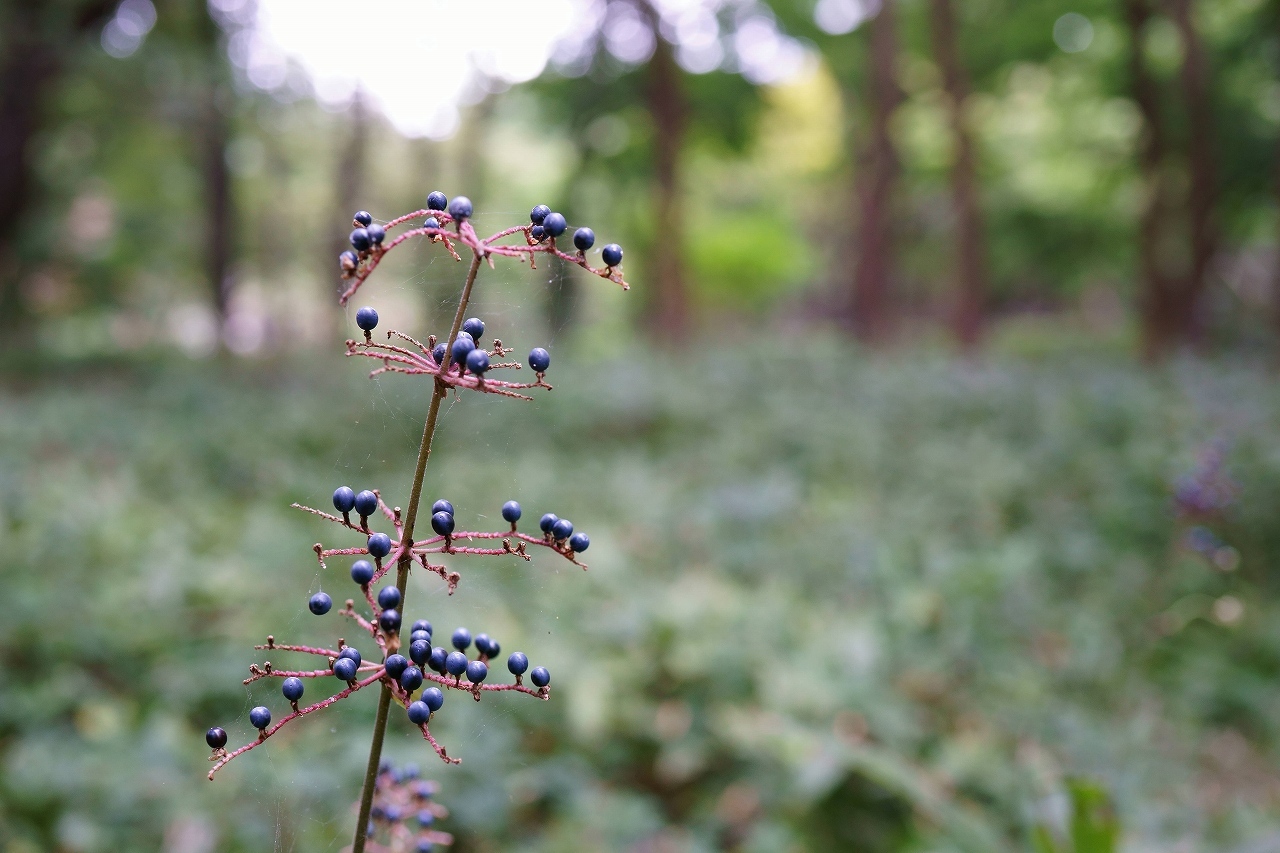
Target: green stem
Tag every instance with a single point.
(402, 567)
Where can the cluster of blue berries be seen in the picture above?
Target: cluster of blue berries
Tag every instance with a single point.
(548, 223)
(457, 664)
(365, 504)
(561, 530)
(404, 806)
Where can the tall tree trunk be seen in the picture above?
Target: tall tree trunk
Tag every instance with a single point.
(668, 315)
(214, 128)
(349, 181)
(970, 234)
(873, 269)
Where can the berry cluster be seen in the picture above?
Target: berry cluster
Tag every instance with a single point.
(369, 240)
(404, 813)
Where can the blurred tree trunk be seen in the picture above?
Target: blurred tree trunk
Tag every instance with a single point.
(873, 269)
(34, 45)
(214, 129)
(349, 181)
(668, 312)
(970, 234)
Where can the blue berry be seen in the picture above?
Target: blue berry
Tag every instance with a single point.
(482, 644)
(455, 663)
(392, 813)
(548, 521)
(348, 261)
(474, 327)
(518, 663)
(390, 621)
(216, 737)
(351, 652)
(579, 542)
(410, 771)
(420, 651)
(415, 636)
(260, 717)
(460, 207)
(538, 233)
(362, 218)
(478, 361)
(360, 240)
(539, 360)
(388, 598)
(344, 500)
(442, 523)
(292, 689)
(611, 255)
(540, 677)
(411, 679)
(562, 529)
(433, 697)
(442, 505)
(396, 665)
(376, 234)
(437, 659)
(320, 603)
(438, 353)
(477, 671)
(425, 845)
(431, 222)
(366, 503)
(437, 201)
(367, 319)
(538, 214)
(511, 511)
(461, 346)
(345, 669)
(419, 713)
(555, 224)
(422, 624)
(425, 818)
(362, 572)
(584, 238)
(461, 639)
(379, 544)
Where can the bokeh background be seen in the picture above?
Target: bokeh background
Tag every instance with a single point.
(932, 465)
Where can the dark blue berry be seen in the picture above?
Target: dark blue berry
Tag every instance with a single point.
(422, 624)
(376, 234)
(538, 233)
(260, 717)
(411, 679)
(367, 318)
(420, 651)
(511, 511)
(538, 214)
(216, 737)
(539, 360)
(438, 354)
(477, 671)
(461, 347)
(461, 639)
(379, 544)
(431, 222)
(388, 598)
(362, 218)
(437, 201)
(434, 698)
(344, 500)
(474, 327)
(348, 261)
(540, 677)
(482, 644)
(436, 661)
(292, 689)
(460, 207)
(579, 542)
(366, 503)
(425, 845)
(425, 818)
(584, 238)
(442, 523)
(360, 240)
(362, 572)
(455, 663)
(410, 771)
(478, 361)
(396, 665)
(419, 713)
(518, 663)
(548, 521)
(392, 813)
(345, 669)
(442, 505)
(562, 529)
(390, 621)
(320, 603)
(415, 636)
(351, 652)
(555, 224)
(611, 255)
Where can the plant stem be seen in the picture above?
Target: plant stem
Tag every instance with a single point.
(402, 567)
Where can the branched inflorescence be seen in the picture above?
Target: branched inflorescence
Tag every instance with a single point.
(404, 813)
(414, 673)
